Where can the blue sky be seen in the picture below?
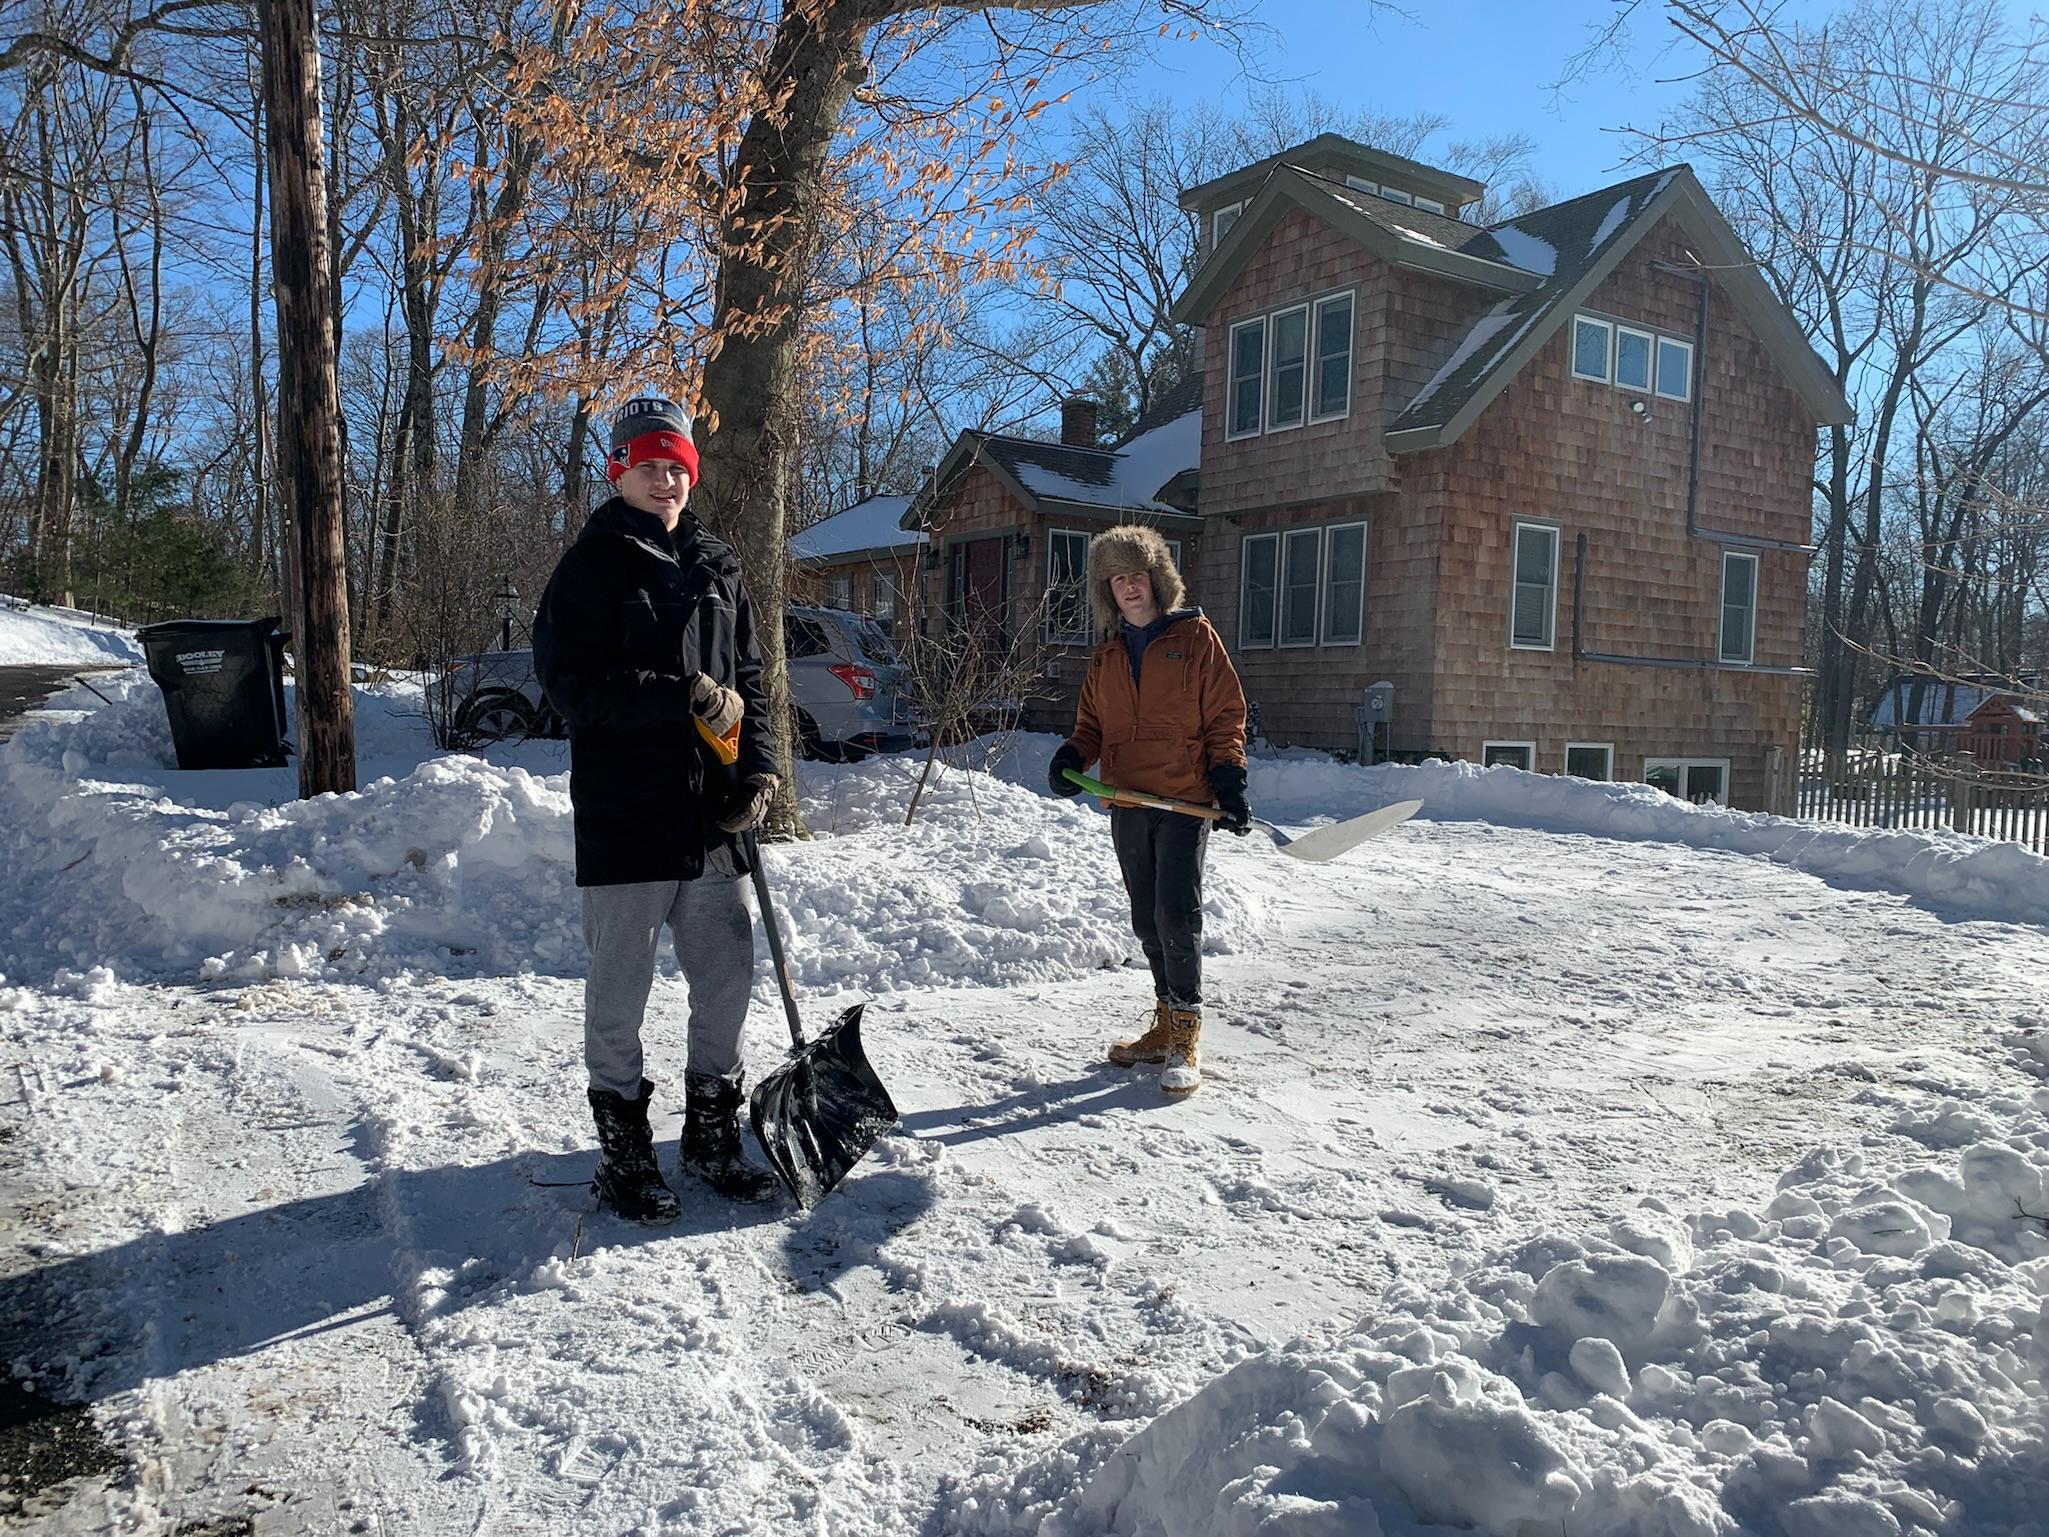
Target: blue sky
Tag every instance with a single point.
(1487, 65)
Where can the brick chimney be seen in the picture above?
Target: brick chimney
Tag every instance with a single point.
(1078, 421)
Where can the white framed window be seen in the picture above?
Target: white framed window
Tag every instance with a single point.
(1533, 609)
(1174, 552)
(1221, 221)
(1592, 342)
(1301, 558)
(1361, 184)
(1699, 780)
(1590, 760)
(1344, 584)
(1739, 607)
(1522, 755)
(1429, 205)
(1633, 359)
(839, 589)
(889, 596)
(1067, 586)
(1675, 368)
(1396, 195)
(1332, 390)
(1259, 561)
(1248, 378)
(1288, 374)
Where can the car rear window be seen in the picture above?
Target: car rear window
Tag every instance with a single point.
(872, 641)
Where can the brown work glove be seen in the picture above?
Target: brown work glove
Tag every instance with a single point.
(713, 703)
(749, 805)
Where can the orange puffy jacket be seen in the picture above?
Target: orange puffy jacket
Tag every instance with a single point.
(1164, 734)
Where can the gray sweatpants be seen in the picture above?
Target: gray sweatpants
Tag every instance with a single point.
(713, 932)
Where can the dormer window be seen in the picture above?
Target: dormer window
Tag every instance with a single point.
(1361, 184)
(1393, 194)
(1222, 220)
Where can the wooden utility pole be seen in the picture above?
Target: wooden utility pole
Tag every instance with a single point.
(309, 402)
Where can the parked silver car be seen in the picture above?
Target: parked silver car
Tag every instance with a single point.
(845, 683)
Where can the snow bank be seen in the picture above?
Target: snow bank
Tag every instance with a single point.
(462, 865)
(1969, 876)
(62, 637)
(1865, 1355)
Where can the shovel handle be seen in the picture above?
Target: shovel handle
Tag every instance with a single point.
(1112, 795)
(775, 940)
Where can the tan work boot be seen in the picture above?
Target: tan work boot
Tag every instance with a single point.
(1184, 1053)
(1150, 1047)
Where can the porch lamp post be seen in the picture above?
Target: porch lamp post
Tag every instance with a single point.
(507, 596)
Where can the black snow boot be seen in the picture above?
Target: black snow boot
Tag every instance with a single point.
(711, 1140)
(628, 1179)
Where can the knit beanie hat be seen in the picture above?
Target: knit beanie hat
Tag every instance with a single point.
(650, 427)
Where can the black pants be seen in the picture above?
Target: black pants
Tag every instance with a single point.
(1161, 854)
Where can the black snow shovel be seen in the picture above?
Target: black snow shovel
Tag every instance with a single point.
(821, 1110)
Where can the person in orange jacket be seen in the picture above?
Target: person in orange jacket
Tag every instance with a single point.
(1163, 710)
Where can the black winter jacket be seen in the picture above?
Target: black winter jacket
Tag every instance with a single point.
(630, 614)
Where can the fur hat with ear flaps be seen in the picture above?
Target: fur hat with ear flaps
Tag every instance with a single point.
(1122, 550)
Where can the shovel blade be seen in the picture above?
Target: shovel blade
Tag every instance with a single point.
(817, 1114)
(1322, 843)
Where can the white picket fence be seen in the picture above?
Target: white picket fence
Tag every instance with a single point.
(1867, 788)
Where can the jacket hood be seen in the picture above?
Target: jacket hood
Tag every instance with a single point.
(1120, 551)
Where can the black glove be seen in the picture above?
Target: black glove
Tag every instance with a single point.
(1227, 782)
(1056, 773)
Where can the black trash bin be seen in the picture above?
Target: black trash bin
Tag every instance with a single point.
(224, 688)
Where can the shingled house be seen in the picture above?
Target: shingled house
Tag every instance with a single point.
(1549, 478)
(861, 559)
(1009, 521)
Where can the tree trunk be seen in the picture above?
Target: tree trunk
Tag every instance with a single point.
(309, 445)
(750, 380)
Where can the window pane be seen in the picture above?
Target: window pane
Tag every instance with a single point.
(1067, 604)
(1632, 360)
(1587, 762)
(1662, 776)
(886, 596)
(1226, 217)
(1534, 571)
(1256, 601)
(839, 590)
(1590, 349)
(1739, 602)
(1515, 756)
(1704, 783)
(1291, 352)
(1298, 589)
(1248, 361)
(1430, 203)
(1395, 195)
(1675, 369)
(1361, 184)
(1344, 589)
(1334, 357)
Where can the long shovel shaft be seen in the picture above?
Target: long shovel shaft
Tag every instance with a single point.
(1122, 797)
(775, 941)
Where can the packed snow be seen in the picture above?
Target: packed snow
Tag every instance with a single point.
(1570, 1159)
(32, 635)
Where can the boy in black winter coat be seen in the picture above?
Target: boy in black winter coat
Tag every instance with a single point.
(645, 631)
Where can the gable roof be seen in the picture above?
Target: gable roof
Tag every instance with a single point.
(1544, 264)
(1574, 246)
(1377, 164)
(1944, 701)
(1403, 237)
(1065, 477)
(872, 525)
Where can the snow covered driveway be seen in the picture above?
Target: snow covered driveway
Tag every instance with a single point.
(298, 1238)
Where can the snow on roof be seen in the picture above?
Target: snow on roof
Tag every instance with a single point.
(1610, 224)
(1126, 477)
(1532, 253)
(869, 525)
(1487, 332)
(1942, 703)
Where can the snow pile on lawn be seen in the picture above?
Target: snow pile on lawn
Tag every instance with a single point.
(61, 637)
(460, 865)
(1864, 1355)
(1963, 874)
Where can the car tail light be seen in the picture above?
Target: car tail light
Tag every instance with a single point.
(452, 667)
(859, 680)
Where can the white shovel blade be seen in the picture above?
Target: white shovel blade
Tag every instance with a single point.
(1322, 843)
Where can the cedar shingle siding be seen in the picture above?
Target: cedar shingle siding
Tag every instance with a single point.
(1551, 449)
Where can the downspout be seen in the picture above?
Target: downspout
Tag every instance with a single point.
(1700, 321)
